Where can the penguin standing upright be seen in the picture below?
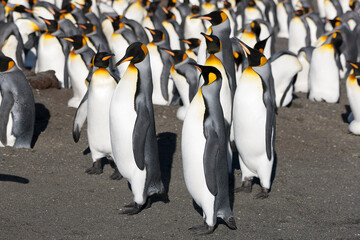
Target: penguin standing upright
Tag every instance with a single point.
(254, 121)
(78, 65)
(302, 79)
(52, 53)
(220, 27)
(185, 79)
(324, 72)
(17, 106)
(299, 31)
(161, 62)
(353, 93)
(95, 108)
(203, 149)
(132, 129)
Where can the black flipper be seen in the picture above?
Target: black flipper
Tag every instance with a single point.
(80, 117)
(5, 108)
(210, 158)
(164, 78)
(141, 128)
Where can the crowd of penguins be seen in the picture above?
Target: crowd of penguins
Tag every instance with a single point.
(215, 58)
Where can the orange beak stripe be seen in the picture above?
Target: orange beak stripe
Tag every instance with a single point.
(126, 59)
(354, 65)
(169, 52)
(245, 48)
(69, 39)
(106, 58)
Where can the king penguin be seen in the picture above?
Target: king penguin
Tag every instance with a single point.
(132, 130)
(353, 93)
(95, 108)
(78, 65)
(324, 72)
(185, 78)
(17, 108)
(203, 149)
(52, 54)
(254, 122)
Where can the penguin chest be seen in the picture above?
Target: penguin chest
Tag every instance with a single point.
(174, 37)
(122, 121)
(147, 23)
(297, 34)
(9, 47)
(181, 85)
(353, 93)
(156, 65)
(77, 73)
(101, 88)
(192, 148)
(249, 116)
(118, 46)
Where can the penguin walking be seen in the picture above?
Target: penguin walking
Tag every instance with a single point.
(324, 72)
(95, 108)
(254, 122)
(17, 108)
(78, 67)
(185, 78)
(203, 149)
(132, 130)
(353, 94)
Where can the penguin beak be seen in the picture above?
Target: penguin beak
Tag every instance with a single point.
(124, 59)
(243, 45)
(69, 39)
(151, 31)
(168, 51)
(207, 37)
(186, 41)
(197, 66)
(202, 17)
(51, 10)
(107, 57)
(46, 21)
(110, 18)
(165, 10)
(354, 65)
(82, 26)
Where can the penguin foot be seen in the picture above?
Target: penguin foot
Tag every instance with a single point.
(96, 168)
(202, 229)
(230, 222)
(116, 175)
(263, 194)
(245, 187)
(132, 209)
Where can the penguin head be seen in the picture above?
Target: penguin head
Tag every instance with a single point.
(101, 59)
(195, 9)
(251, 3)
(356, 67)
(86, 7)
(21, 9)
(302, 11)
(169, 15)
(255, 28)
(215, 17)
(209, 73)
(116, 22)
(135, 53)
(87, 28)
(171, 3)
(260, 45)
(157, 35)
(334, 22)
(78, 41)
(67, 8)
(192, 42)
(352, 4)
(51, 25)
(151, 8)
(336, 40)
(6, 63)
(255, 57)
(213, 43)
(238, 57)
(177, 55)
(227, 4)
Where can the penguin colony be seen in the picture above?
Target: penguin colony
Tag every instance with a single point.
(216, 58)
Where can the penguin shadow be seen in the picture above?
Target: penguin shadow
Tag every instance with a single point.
(345, 115)
(166, 145)
(42, 116)
(13, 178)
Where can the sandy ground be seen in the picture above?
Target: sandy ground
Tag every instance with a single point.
(45, 193)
